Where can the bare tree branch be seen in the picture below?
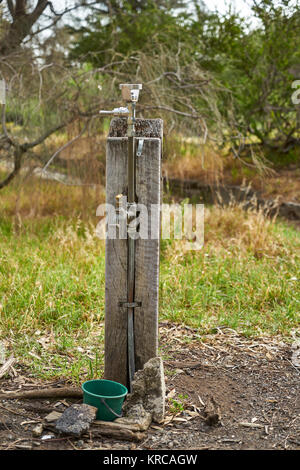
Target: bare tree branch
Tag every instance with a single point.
(21, 24)
(17, 166)
(10, 7)
(23, 21)
(8, 138)
(63, 147)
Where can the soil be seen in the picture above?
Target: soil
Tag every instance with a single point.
(252, 385)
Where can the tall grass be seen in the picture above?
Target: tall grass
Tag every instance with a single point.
(30, 197)
(52, 283)
(246, 277)
(52, 293)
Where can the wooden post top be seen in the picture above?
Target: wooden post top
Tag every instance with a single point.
(143, 128)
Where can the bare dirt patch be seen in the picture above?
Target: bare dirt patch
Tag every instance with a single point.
(252, 384)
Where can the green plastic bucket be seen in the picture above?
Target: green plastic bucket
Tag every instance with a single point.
(107, 396)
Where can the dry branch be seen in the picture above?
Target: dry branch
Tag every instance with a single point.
(65, 392)
(123, 434)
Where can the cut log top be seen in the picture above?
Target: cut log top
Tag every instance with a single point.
(143, 128)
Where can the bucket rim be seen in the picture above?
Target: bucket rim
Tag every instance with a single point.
(104, 396)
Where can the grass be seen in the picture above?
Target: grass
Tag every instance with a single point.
(52, 295)
(52, 286)
(246, 277)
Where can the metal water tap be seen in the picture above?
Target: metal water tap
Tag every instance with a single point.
(130, 94)
(116, 112)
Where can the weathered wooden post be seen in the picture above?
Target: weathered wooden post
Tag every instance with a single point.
(133, 181)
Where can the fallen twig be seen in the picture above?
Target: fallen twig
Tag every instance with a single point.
(117, 426)
(251, 425)
(122, 434)
(45, 393)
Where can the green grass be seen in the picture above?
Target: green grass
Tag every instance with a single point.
(246, 277)
(52, 296)
(250, 295)
(52, 287)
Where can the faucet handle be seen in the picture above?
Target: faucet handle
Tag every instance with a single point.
(116, 112)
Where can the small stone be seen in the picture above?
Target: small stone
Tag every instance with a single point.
(53, 416)
(76, 419)
(45, 437)
(36, 443)
(37, 430)
(80, 444)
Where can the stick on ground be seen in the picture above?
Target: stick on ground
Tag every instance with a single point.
(64, 392)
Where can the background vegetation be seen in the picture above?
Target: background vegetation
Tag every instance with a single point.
(223, 85)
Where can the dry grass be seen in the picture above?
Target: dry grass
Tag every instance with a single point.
(32, 197)
(189, 159)
(244, 229)
(246, 276)
(52, 285)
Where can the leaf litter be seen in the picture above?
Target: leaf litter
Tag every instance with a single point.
(235, 393)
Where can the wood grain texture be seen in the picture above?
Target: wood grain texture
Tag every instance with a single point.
(147, 258)
(147, 255)
(115, 270)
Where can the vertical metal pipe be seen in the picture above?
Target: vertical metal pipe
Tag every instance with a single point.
(131, 168)
(130, 318)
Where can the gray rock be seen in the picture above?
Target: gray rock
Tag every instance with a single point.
(136, 417)
(148, 391)
(76, 419)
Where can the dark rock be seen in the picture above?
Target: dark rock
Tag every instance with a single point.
(76, 419)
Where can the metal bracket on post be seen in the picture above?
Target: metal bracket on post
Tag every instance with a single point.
(140, 148)
(126, 304)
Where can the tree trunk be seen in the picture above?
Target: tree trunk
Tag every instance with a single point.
(21, 25)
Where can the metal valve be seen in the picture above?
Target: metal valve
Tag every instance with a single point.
(130, 94)
(130, 91)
